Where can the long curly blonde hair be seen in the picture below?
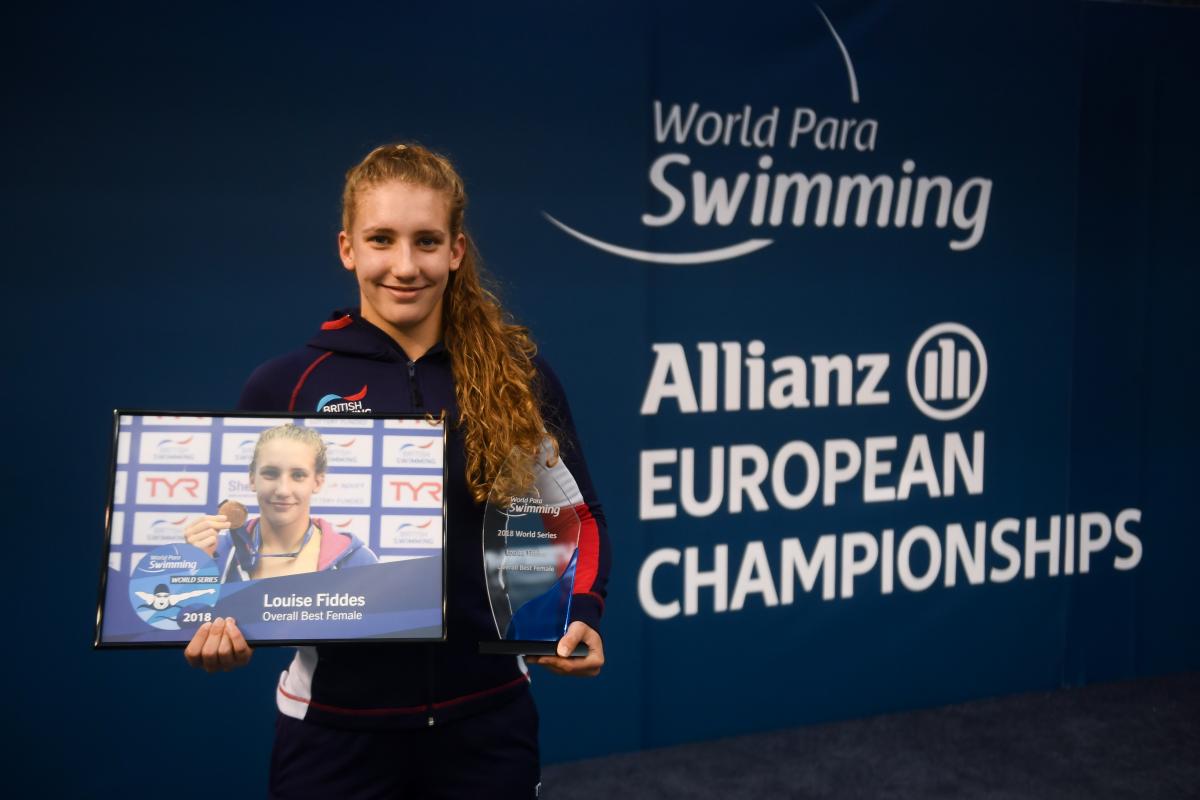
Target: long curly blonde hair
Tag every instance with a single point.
(490, 355)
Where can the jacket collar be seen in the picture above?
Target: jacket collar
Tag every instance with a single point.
(347, 332)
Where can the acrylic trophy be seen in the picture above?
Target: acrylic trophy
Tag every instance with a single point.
(530, 550)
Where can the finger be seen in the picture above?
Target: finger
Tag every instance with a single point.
(196, 645)
(217, 524)
(595, 658)
(595, 644)
(552, 663)
(206, 543)
(209, 653)
(225, 651)
(241, 650)
(202, 539)
(571, 639)
(571, 667)
(212, 520)
(585, 667)
(589, 666)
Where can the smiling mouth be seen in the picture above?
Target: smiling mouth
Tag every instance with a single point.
(403, 292)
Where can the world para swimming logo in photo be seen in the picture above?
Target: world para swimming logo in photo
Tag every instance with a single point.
(174, 587)
(731, 178)
(348, 404)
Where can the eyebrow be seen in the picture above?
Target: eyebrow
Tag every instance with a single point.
(393, 232)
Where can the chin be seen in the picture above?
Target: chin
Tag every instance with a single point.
(403, 315)
(407, 317)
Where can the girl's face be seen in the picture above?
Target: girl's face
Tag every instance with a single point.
(402, 253)
(285, 479)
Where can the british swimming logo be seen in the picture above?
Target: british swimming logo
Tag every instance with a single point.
(407, 531)
(156, 528)
(349, 451)
(175, 448)
(412, 451)
(347, 404)
(357, 524)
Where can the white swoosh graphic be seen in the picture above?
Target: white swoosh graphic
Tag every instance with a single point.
(722, 253)
(845, 55)
(703, 257)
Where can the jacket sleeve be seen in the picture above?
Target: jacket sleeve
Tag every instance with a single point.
(595, 558)
(270, 386)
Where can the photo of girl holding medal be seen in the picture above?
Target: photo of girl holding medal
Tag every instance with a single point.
(288, 468)
(429, 719)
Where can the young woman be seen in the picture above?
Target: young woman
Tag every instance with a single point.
(424, 719)
(287, 469)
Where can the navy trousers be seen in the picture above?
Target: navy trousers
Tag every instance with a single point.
(489, 755)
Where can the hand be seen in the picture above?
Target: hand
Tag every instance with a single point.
(218, 645)
(202, 532)
(586, 667)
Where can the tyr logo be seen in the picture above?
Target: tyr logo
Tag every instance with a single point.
(428, 490)
(190, 486)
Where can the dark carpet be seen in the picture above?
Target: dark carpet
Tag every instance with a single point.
(1139, 739)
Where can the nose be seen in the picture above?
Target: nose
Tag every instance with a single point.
(404, 265)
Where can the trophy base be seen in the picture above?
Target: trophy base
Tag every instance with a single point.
(510, 648)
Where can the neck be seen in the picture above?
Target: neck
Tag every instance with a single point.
(415, 342)
(282, 540)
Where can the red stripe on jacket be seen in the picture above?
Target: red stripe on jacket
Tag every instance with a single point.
(337, 324)
(304, 377)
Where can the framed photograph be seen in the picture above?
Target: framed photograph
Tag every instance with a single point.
(303, 528)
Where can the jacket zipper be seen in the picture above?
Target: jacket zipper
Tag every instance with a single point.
(414, 390)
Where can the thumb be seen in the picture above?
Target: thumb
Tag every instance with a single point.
(570, 640)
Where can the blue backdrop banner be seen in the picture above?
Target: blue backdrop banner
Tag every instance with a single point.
(876, 320)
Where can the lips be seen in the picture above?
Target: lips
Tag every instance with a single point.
(403, 292)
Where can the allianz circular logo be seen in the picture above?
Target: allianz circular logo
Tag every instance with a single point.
(762, 169)
(947, 371)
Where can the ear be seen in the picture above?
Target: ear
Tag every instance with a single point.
(252, 481)
(346, 250)
(318, 482)
(458, 250)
